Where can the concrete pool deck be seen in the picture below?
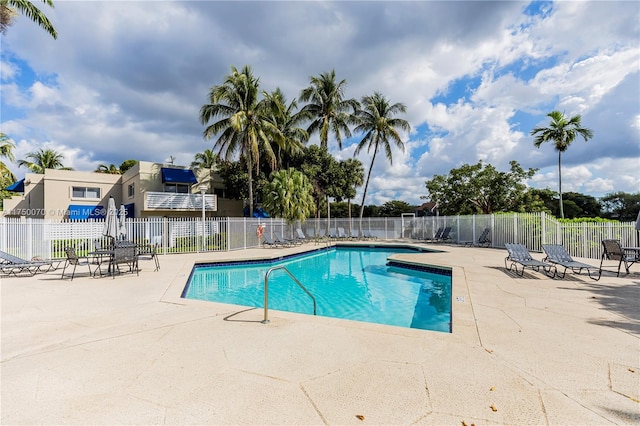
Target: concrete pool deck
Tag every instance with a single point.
(129, 350)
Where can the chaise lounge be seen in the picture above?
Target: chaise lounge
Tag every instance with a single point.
(518, 254)
(558, 256)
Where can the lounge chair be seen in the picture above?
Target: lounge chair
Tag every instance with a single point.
(74, 260)
(437, 235)
(300, 236)
(342, 235)
(518, 254)
(14, 265)
(368, 235)
(483, 239)
(614, 251)
(444, 236)
(285, 242)
(268, 241)
(557, 255)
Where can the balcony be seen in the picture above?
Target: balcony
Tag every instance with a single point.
(181, 202)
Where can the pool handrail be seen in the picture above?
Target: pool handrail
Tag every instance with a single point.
(266, 291)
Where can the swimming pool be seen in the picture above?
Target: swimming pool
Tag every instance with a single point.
(348, 282)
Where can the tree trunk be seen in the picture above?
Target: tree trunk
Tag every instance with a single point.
(366, 186)
(560, 184)
(250, 176)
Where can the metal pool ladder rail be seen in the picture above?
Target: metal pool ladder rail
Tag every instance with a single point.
(266, 291)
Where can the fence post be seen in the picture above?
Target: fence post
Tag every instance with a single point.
(515, 227)
(543, 228)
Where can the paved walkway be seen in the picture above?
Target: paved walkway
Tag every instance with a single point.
(129, 350)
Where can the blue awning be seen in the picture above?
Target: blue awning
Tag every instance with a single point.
(178, 176)
(16, 186)
(80, 212)
(129, 208)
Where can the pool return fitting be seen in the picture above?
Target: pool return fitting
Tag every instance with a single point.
(266, 291)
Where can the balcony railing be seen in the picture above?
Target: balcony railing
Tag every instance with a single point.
(173, 201)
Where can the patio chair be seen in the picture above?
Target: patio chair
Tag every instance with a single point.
(483, 239)
(36, 264)
(149, 252)
(518, 254)
(301, 237)
(74, 260)
(125, 254)
(615, 252)
(556, 254)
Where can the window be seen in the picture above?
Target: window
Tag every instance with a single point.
(83, 192)
(176, 187)
(130, 190)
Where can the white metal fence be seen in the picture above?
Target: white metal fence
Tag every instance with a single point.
(27, 238)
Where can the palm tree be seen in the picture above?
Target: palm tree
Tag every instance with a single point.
(111, 169)
(205, 160)
(241, 122)
(287, 133)
(376, 120)
(6, 147)
(328, 110)
(8, 10)
(6, 151)
(43, 159)
(563, 132)
(289, 195)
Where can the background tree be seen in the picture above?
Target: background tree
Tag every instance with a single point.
(6, 151)
(319, 167)
(376, 120)
(9, 10)
(327, 108)
(206, 160)
(289, 195)
(621, 206)
(127, 164)
(395, 208)
(480, 188)
(562, 132)
(286, 124)
(43, 159)
(353, 178)
(235, 177)
(111, 169)
(242, 122)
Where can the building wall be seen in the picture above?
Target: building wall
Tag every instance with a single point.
(48, 195)
(59, 185)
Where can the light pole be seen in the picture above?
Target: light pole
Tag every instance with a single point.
(203, 189)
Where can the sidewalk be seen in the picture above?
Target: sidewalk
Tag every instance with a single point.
(129, 350)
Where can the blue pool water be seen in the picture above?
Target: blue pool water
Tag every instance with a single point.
(348, 282)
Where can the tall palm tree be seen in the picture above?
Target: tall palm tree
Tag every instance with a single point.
(242, 122)
(562, 132)
(287, 133)
(9, 8)
(376, 120)
(43, 159)
(328, 110)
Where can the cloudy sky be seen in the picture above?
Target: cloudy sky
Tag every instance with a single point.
(127, 80)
